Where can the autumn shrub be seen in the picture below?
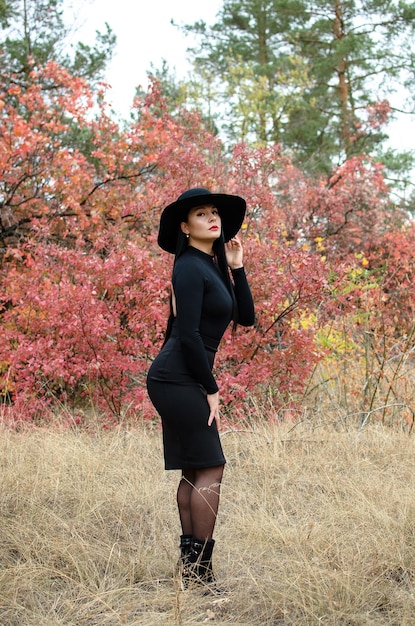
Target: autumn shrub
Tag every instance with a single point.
(84, 287)
(79, 328)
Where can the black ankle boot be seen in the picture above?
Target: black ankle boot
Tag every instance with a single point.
(197, 570)
(200, 561)
(185, 546)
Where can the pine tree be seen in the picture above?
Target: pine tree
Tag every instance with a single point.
(309, 74)
(259, 73)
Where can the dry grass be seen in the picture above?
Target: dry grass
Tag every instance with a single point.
(317, 526)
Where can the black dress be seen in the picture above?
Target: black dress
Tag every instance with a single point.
(181, 375)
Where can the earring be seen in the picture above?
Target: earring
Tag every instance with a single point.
(187, 235)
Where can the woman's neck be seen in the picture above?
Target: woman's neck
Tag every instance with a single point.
(207, 248)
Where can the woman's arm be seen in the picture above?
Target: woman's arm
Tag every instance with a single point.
(243, 295)
(234, 257)
(188, 285)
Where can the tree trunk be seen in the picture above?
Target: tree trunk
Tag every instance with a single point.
(342, 85)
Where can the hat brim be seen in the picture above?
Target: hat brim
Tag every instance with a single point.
(231, 210)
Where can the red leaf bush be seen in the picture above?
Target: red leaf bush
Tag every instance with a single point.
(84, 287)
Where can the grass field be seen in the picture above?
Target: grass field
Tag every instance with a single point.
(316, 526)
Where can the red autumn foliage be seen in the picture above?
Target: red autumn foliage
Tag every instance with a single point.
(80, 328)
(392, 261)
(84, 290)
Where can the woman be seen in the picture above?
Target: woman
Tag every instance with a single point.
(200, 229)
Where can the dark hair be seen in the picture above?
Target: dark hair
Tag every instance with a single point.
(220, 256)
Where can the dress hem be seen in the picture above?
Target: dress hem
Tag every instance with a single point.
(190, 467)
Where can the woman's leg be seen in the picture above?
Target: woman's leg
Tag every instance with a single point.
(184, 492)
(204, 501)
(203, 507)
(198, 500)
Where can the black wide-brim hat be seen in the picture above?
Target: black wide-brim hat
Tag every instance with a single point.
(231, 210)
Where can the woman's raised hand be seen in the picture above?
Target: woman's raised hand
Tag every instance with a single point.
(234, 253)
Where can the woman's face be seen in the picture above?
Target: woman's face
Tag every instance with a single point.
(203, 224)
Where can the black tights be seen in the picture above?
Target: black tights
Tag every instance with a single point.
(198, 500)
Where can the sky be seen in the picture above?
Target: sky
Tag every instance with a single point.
(145, 36)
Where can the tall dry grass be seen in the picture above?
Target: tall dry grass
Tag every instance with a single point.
(316, 526)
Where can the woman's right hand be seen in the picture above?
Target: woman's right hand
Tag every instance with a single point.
(213, 402)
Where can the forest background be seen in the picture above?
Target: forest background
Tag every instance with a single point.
(288, 105)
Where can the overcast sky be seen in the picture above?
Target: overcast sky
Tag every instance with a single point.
(145, 36)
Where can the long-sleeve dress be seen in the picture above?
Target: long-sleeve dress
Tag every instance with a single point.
(181, 375)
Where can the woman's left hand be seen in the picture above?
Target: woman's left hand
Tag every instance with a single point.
(234, 253)
(213, 402)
